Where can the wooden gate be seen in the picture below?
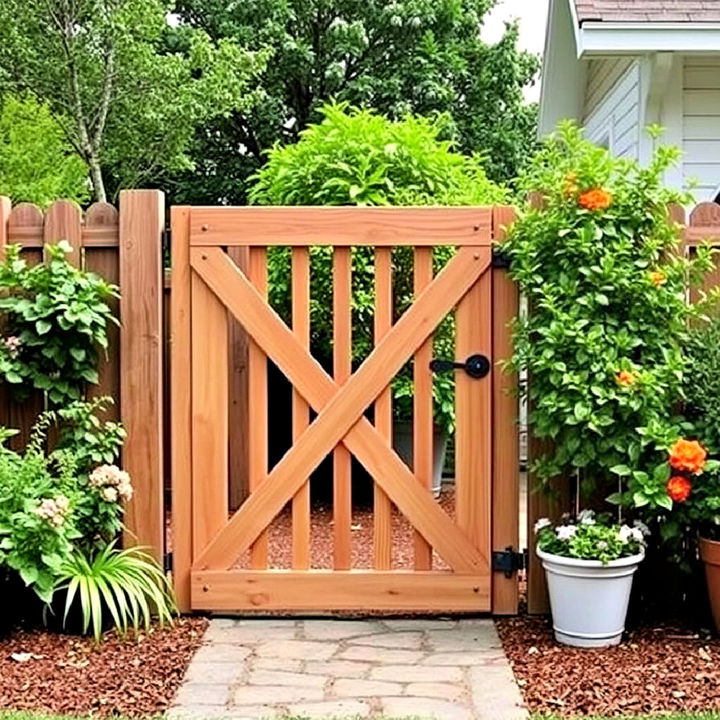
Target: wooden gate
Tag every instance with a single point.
(452, 555)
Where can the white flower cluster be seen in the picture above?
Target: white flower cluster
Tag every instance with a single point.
(627, 533)
(54, 510)
(112, 483)
(637, 533)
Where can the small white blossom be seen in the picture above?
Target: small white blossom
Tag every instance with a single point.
(637, 535)
(602, 545)
(642, 527)
(541, 524)
(586, 517)
(565, 532)
(625, 533)
(109, 494)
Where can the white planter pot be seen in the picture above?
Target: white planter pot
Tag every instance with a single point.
(589, 600)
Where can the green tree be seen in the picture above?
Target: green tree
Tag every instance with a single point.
(419, 56)
(132, 101)
(37, 164)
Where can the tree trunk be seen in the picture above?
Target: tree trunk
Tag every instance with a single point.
(96, 178)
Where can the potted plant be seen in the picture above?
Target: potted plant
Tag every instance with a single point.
(589, 564)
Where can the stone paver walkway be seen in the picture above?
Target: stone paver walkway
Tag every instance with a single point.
(444, 669)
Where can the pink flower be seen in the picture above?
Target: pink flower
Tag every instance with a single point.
(13, 344)
(53, 510)
(112, 482)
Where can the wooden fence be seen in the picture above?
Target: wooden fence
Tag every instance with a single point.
(125, 247)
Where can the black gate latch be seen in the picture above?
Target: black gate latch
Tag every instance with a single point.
(476, 366)
(508, 561)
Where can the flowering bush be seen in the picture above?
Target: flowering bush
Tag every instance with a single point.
(590, 537)
(599, 262)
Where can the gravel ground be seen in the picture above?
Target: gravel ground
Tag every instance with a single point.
(655, 670)
(65, 674)
(321, 534)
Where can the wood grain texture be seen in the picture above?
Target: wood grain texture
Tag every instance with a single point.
(318, 590)
(257, 406)
(342, 352)
(506, 441)
(339, 411)
(423, 426)
(105, 262)
(300, 408)
(142, 223)
(63, 221)
(474, 428)
(5, 209)
(209, 345)
(373, 226)
(181, 418)
(382, 507)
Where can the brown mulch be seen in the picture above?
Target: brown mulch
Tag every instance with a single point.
(655, 670)
(67, 674)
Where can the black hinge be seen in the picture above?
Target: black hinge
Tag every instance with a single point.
(168, 562)
(500, 259)
(508, 561)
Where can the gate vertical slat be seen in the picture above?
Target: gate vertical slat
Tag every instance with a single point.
(209, 414)
(300, 408)
(63, 222)
(258, 411)
(422, 404)
(382, 508)
(506, 445)
(181, 418)
(342, 361)
(25, 226)
(473, 403)
(101, 257)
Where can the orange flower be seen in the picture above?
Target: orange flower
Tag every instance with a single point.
(657, 278)
(678, 488)
(688, 455)
(597, 199)
(626, 378)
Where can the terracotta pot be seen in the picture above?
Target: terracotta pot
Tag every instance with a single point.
(710, 555)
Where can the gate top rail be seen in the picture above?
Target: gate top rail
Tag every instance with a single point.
(345, 226)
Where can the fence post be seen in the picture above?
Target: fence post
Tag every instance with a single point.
(142, 222)
(506, 441)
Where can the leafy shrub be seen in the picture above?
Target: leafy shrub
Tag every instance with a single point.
(603, 343)
(126, 586)
(357, 157)
(702, 386)
(56, 317)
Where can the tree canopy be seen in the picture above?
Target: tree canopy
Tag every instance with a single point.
(37, 164)
(419, 56)
(127, 97)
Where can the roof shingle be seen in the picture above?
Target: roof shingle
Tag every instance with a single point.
(648, 10)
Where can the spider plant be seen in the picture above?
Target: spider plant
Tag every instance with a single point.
(128, 584)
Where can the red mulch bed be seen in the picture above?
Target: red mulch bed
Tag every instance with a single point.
(655, 670)
(68, 674)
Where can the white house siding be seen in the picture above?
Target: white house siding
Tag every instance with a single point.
(701, 123)
(612, 105)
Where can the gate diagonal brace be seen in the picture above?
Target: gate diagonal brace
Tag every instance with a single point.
(340, 410)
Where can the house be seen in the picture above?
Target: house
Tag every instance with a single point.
(618, 66)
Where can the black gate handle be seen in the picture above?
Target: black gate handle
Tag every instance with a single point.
(476, 366)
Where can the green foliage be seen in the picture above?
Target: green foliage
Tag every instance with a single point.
(55, 318)
(603, 342)
(37, 164)
(407, 56)
(128, 586)
(702, 385)
(37, 495)
(91, 441)
(132, 89)
(357, 157)
(591, 537)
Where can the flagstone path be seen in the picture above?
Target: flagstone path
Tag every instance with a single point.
(420, 668)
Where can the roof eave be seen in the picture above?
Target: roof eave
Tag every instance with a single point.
(642, 36)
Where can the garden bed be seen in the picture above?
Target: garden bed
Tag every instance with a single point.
(56, 673)
(655, 670)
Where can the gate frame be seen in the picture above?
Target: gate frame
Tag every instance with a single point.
(504, 481)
